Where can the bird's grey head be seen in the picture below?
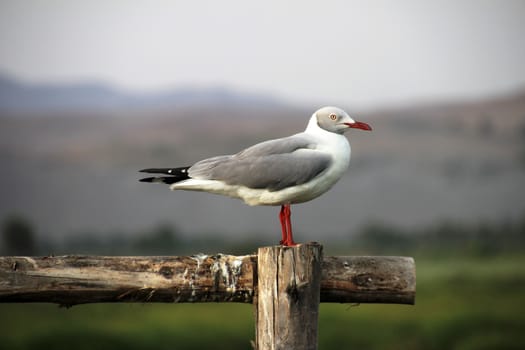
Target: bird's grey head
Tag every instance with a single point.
(336, 120)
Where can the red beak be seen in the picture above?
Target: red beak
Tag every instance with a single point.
(359, 125)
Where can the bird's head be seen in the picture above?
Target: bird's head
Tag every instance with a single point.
(336, 120)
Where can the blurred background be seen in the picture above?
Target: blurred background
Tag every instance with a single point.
(91, 92)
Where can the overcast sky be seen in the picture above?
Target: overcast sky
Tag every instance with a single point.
(360, 52)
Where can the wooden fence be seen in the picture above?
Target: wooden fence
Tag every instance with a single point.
(285, 284)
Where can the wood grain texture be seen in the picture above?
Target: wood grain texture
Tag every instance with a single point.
(288, 290)
(369, 279)
(70, 280)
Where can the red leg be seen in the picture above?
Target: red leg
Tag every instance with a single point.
(288, 241)
(282, 218)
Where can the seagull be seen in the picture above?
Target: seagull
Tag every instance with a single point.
(284, 171)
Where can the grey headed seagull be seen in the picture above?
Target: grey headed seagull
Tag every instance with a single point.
(284, 171)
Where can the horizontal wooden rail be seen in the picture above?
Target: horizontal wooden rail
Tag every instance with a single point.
(71, 280)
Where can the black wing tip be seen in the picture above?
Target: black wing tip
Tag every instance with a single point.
(154, 170)
(176, 175)
(162, 179)
(167, 171)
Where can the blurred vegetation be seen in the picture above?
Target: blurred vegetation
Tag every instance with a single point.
(470, 295)
(18, 236)
(443, 238)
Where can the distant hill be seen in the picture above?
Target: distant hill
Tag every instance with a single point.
(16, 95)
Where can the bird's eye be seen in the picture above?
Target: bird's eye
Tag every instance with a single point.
(333, 116)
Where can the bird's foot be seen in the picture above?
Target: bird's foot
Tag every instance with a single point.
(289, 243)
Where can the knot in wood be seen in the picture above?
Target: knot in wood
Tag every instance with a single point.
(363, 280)
(295, 290)
(166, 272)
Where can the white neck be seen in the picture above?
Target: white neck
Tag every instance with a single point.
(312, 126)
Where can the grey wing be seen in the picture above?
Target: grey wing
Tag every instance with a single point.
(275, 172)
(278, 146)
(273, 165)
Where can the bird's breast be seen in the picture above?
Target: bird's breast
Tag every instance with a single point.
(339, 150)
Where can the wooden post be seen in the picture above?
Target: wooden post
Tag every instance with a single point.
(288, 296)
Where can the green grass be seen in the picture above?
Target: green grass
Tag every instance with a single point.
(462, 303)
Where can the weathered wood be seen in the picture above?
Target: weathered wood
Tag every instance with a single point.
(289, 280)
(369, 279)
(70, 280)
